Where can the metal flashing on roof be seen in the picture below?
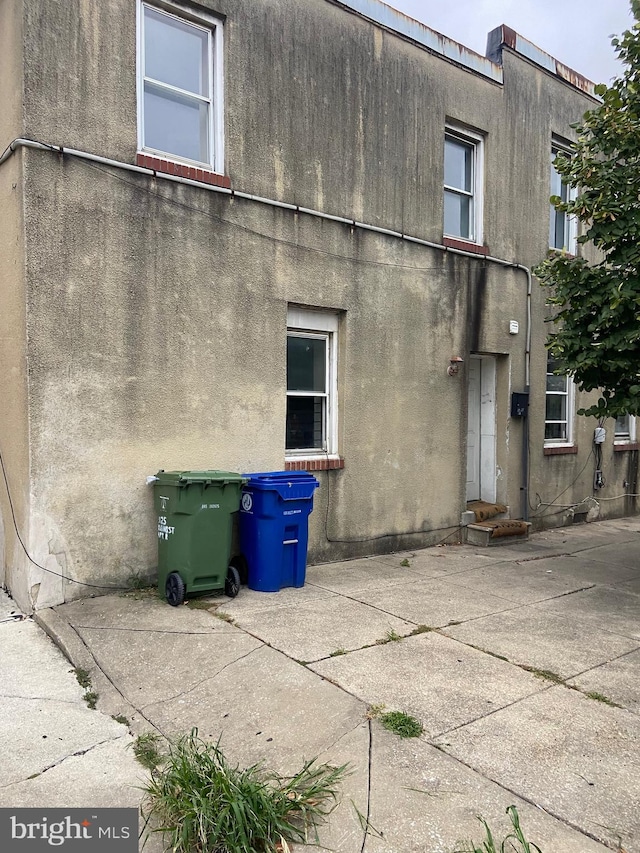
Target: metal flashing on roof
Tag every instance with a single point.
(506, 37)
(489, 66)
(384, 15)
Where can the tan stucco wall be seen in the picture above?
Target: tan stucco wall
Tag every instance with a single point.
(13, 375)
(157, 312)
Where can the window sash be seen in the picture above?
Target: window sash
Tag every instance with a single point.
(462, 186)
(195, 135)
(562, 227)
(558, 421)
(317, 425)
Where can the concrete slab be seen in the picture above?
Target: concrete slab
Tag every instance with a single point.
(142, 611)
(105, 776)
(443, 559)
(586, 773)
(150, 666)
(534, 636)
(315, 629)
(32, 667)
(36, 734)
(619, 553)
(263, 706)
(352, 577)
(618, 680)
(521, 582)
(435, 679)
(435, 601)
(600, 608)
(343, 830)
(250, 599)
(425, 802)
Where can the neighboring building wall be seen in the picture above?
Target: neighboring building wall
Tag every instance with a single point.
(157, 312)
(14, 432)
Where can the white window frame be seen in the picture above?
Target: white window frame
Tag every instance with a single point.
(570, 236)
(214, 27)
(306, 323)
(627, 436)
(476, 143)
(569, 394)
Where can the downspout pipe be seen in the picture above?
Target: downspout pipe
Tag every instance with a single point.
(21, 142)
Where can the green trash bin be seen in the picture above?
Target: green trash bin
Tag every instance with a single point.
(194, 511)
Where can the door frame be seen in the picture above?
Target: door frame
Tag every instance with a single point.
(487, 452)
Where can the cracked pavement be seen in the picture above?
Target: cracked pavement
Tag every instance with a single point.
(520, 661)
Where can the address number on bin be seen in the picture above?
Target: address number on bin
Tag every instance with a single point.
(164, 530)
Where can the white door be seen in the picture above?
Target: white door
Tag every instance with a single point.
(481, 429)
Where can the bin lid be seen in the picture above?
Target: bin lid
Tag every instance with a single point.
(184, 478)
(289, 484)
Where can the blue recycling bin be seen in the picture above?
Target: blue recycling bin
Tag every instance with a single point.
(274, 527)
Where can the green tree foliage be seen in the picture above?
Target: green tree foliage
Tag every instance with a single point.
(597, 306)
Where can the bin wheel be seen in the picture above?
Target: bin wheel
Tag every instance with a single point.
(240, 563)
(174, 589)
(232, 583)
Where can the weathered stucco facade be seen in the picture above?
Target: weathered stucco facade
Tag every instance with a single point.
(144, 320)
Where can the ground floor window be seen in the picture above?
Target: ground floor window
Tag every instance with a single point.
(558, 424)
(311, 424)
(625, 429)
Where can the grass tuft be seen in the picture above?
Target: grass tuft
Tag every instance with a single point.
(402, 724)
(83, 677)
(515, 841)
(421, 629)
(200, 802)
(600, 697)
(120, 718)
(91, 698)
(547, 674)
(146, 749)
(405, 563)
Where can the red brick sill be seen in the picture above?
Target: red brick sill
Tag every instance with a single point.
(560, 451)
(465, 246)
(314, 464)
(181, 170)
(625, 445)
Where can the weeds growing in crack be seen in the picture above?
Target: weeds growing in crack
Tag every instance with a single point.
(421, 629)
(120, 718)
(600, 697)
(83, 677)
(515, 841)
(146, 748)
(91, 698)
(337, 653)
(200, 802)
(398, 722)
(547, 674)
(405, 563)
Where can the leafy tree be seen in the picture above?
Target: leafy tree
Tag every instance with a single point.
(597, 306)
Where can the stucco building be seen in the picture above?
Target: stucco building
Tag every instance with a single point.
(250, 234)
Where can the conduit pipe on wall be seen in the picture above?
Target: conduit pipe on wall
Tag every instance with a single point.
(130, 167)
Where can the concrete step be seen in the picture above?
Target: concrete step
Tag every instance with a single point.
(497, 532)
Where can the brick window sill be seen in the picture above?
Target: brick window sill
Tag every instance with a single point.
(318, 464)
(465, 246)
(621, 446)
(561, 451)
(181, 170)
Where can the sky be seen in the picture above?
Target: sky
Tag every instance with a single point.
(576, 32)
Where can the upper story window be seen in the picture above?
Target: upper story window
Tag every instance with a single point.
(625, 429)
(180, 86)
(463, 185)
(312, 353)
(558, 422)
(563, 232)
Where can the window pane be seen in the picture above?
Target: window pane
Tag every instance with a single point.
(556, 383)
(622, 425)
(458, 215)
(458, 164)
(556, 432)
(556, 407)
(306, 364)
(305, 423)
(175, 124)
(176, 52)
